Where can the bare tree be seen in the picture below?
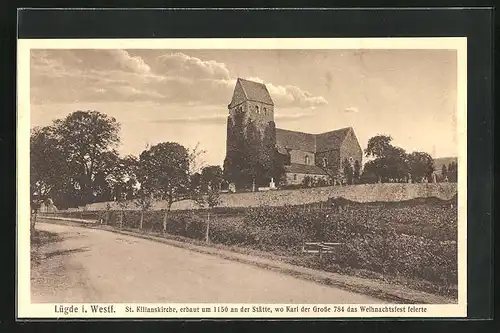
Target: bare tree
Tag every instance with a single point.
(144, 201)
(208, 197)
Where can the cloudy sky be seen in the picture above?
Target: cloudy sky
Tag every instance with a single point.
(182, 95)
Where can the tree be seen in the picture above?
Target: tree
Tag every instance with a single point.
(195, 181)
(195, 158)
(371, 172)
(397, 163)
(375, 171)
(421, 165)
(75, 150)
(452, 172)
(209, 199)
(378, 146)
(122, 203)
(348, 171)
(252, 156)
(444, 171)
(48, 171)
(391, 163)
(356, 171)
(211, 175)
(144, 201)
(208, 194)
(273, 162)
(165, 170)
(238, 160)
(85, 137)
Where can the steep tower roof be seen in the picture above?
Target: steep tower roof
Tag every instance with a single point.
(246, 90)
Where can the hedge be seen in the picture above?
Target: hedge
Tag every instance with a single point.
(416, 241)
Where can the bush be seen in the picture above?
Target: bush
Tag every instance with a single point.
(398, 239)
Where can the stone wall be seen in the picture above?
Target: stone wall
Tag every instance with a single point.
(350, 149)
(298, 178)
(299, 157)
(359, 193)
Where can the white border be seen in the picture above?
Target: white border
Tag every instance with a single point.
(27, 310)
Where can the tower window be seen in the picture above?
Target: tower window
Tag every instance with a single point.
(325, 162)
(294, 176)
(257, 109)
(306, 160)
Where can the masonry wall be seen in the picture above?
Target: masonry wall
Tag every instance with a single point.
(265, 113)
(299, 156)
(333, 158)
(297, 178)
(350, 148)
(359, 193)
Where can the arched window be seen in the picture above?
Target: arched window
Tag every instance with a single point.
(257, 109)
(265, 111)
(294, 176)
(325, 162)
(306, 159)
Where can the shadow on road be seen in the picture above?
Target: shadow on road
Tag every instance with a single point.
(65, 252)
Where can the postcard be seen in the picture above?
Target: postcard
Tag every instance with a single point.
(242, 178)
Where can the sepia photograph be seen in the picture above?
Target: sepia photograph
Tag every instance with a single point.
(241, 178)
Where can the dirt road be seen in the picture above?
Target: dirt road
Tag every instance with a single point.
(92, 265)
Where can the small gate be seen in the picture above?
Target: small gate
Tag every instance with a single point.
(320, 247)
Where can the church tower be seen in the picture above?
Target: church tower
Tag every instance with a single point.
(250, 127)
(252, 99)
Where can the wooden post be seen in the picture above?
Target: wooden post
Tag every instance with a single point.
(207, 233)
(142, 219)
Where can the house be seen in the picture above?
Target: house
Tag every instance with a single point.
(317, 156)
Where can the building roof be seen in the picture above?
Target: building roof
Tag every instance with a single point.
(252, 91)
(305, 169)
(331, 140)
(295, 140)
(311, 142)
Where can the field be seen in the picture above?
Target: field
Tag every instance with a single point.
(409, 242)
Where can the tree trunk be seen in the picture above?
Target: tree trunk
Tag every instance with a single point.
(165, 221)
(207, 238)
(33, 222)
(142, 220)
(170, 201)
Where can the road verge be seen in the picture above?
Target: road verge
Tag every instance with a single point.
(375, 288)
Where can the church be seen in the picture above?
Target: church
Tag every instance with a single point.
(316, 157)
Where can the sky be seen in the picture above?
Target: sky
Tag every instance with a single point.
(182, 95)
